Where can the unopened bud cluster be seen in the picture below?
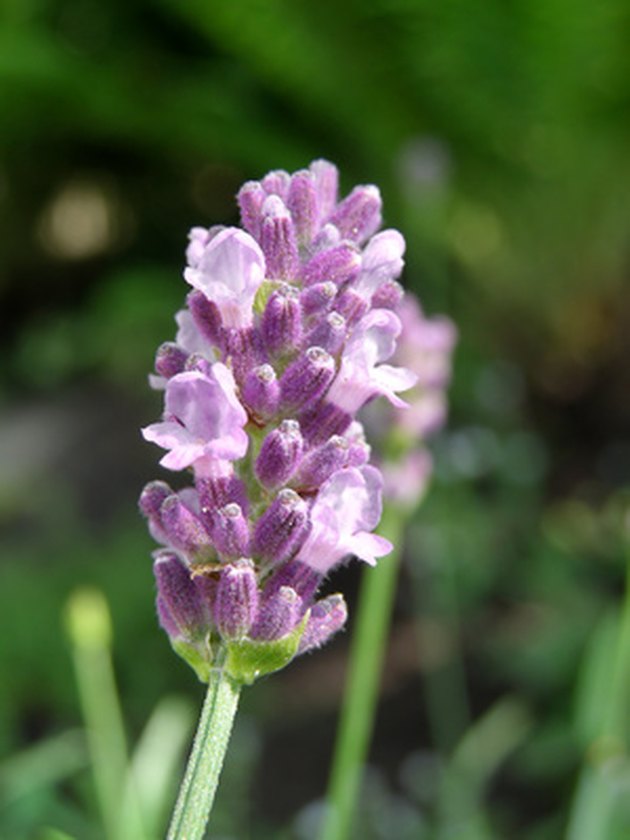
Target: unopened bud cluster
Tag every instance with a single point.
(286, 335)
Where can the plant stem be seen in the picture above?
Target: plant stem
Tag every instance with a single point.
(367, 651)
(199, 786)
(89, 627)
(598, 791)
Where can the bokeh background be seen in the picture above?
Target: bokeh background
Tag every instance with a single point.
(499, 134)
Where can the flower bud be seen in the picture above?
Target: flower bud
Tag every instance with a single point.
(358, 448)
(182, 609)
(279, 454)
(303, 203)
(306, 379)
(351, 305)
(318, 298)
(230, 531)
(170, 359)
(206, 316)
(296, 575)
(152, 496)
(278, 241)
(281, 529)
(236, 602)
(243, 347)
(326, 618)
(339, 265)
(217, 491)
(321, 463)
(330, 333)
(184, 530)
(281, 322)
(358, 216)
(324, 421)
(277, 615)
(326, 180)
(250, 199)
(261, 392)
(388, 295)
(277, 183)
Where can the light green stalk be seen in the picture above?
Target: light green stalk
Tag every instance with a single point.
(199, 786)
(367, 651)
(89, 628)
(606, 767)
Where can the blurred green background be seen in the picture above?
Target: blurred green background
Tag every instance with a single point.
(499, 133)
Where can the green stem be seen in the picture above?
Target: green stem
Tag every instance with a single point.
(199, 786)
(367, 651)
(89, 627)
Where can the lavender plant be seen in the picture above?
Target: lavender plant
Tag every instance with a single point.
(285, 336)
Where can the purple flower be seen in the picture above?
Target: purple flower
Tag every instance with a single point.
(203, 419)
(361, 376)
(229, 272)
(292, 325)
(345, 511)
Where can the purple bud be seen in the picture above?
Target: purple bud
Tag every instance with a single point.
(303, 202)
(278, 240)
(243, 347)
(251, 197)
(279, 454)
(358, 216)
(321, 463)
(330, 333)
(277, 183)
(388, 295)
(306, 379)
(358, 450)
(326, 618)
(152, 496)
(199, 363)
(352, 305)
(326, 180)
(324, 421)
(216, 493)
(230, 531)
(318, 298)
(281, 529)
(236, 603)
(206, 316)
(261, 392)
(184, 530)
(170, 359)
(277, 615)
(150, 502)
(281, 322)
(182, 609)
(298, 576)
(328, 237)
(339, 265)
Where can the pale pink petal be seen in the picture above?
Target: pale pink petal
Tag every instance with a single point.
(368, 547)
(229, 273)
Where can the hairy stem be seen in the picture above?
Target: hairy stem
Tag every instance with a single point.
(199, 786)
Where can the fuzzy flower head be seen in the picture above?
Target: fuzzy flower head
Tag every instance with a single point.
(290, 327)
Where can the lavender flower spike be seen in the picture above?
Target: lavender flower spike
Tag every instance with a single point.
(287, 333)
